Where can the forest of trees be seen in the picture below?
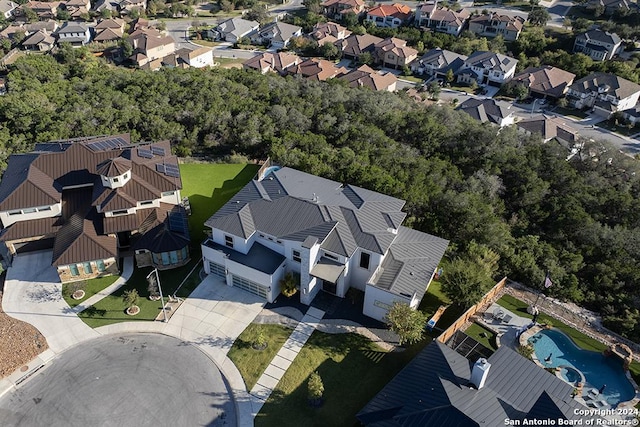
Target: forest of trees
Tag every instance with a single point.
(464, 181)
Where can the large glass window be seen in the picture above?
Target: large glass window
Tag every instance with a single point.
(295, 255)
(100, 265)
(228, 240)
(364, 260)
(74, 270)
(165, 258)
(185, 253)
(174, 257)
(87, 268)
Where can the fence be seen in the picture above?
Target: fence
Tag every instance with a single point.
(489, 296)
(265, 165)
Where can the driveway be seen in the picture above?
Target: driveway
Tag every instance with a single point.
(141, 380)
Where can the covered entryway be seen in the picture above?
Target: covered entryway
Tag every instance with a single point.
(249, 286)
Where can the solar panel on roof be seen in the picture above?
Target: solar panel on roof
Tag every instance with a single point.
(147, 154)
(178, 223)
(172, 173)
(158, 151)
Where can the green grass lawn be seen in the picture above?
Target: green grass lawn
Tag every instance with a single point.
(111, 309)
(620, 129)
(353, 370)
(90, 288)
(570, 112)
(482, 335)
(209, 186)
(252, 363)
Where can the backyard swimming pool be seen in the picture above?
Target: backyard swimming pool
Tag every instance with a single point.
(598, 370)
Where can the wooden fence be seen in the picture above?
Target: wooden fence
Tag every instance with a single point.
(448, 333)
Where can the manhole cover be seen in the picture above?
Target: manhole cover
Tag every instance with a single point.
(25, 368)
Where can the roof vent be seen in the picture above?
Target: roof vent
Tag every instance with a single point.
(480, 372)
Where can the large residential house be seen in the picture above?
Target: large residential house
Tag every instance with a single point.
(328, 32)
(549, 128)
(232, 30)
(598, 45)
(437, 63)
(394, 53)
(7, 7)
(40, 41)
(545, 81)
(337, 9)
(441, 387)
(279, 62)
(109, 30)
(355, 45)
(365, 76)
(609, 7)
(44, 10)
(75, 33)
(494, 24)
(487, 68)
(317, 69)
(333, 236)
(391, 16)
(488, 111)
(88, 199)
(632, 115)
(605, 93)
(150, 45)
(441, 19)
(196, 58)
(277, 34)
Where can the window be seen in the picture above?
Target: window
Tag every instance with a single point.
(295, 255)
(228, 240)
(100, 265)
(116, 213)
(125, 176)
(333, 257)
(364, 260)
(29, 210)
(74, 270)
(148, 202)
(165, 258)
(44, 208)
(116, 179)
(15, 212)
(174, 257)
(262, 235)
(168, 193)
(87, 268)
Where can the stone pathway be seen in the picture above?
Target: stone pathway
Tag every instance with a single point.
(285, 357)
(127, 271)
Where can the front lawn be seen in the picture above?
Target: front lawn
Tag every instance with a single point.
(111, 309)
(353, 370)
(250, 362)
(209, 186)
(90, 288)
(482, 335)
(621, 129)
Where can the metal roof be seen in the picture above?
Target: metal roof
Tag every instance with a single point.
(259, 257)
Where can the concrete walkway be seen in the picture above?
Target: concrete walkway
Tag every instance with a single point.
(285, 357)
(127, 271)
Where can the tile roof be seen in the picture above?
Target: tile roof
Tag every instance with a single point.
(546, 80)
(606, 83)
(322, 30)
(72, 27)
(146, 39)
(514, 23)
(279, 31)
(355, 44)
(318, 69)
(267, 61)
(434, 390)
(486, 110)
(237, 26)
(600, 36)
(442, 60)
(549, 127)
(491, 61)
(367, 77)
(396, 46)
(108, 34)
(397, 10)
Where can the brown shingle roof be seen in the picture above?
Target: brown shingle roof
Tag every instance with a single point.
(546, 80)
(366, 76)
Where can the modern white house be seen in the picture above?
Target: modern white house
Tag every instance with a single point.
(604, 92)
(76, 34)
(332, 236)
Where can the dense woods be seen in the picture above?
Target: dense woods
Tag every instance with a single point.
(497, 192)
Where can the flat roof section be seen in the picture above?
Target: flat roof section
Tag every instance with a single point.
(259, 257)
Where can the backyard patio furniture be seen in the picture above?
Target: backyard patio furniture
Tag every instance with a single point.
(507, 318)
(498, 314)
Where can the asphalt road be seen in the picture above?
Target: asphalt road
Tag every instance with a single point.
(128, 380)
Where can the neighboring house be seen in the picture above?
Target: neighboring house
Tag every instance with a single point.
(545, 81)
(355, 45)
(39, 41)
(44, 10)
(549, 128)
(149, 45)
(337, 9)
(605, 93)
(494, 24)
(609, 7)
(50, 26)
(488, 68)
(277, 34)
(109, 30)
(632, 115)
(328, 32)
(391, 16)
(127, 6)
(437, 62)
(91, 199)
(7, 7)
(598, 45)
(440, 387)
(394, 53)
(75, 33)
(196, 58)
(365, 76)
(317, 69)
(232, 30)
(441, 19)
(488, 110)
(333, 236)
(11, 31)
(279, 62)
(76, 8)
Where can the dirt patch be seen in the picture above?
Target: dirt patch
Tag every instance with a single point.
(19, 342)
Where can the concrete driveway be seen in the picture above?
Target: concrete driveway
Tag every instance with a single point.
(128, 380)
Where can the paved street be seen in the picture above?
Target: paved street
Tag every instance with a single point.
(124, 380)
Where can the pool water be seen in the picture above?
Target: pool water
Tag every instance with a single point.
(570, 375)
(267, 171)
(597, 369)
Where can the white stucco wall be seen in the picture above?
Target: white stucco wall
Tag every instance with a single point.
(378, 301)
(7, 220)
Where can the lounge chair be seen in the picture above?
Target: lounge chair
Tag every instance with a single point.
(498, 314)
(507, 318)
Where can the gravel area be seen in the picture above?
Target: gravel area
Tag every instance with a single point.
(19, 342)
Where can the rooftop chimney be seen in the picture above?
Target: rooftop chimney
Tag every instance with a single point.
(480, 372)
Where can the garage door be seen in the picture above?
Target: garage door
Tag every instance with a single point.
(249, 286)
(217, 270)
(35, 245)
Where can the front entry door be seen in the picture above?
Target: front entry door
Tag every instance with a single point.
(329, 287)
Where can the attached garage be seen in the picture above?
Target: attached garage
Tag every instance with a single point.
(34, 245)
(249, 286)
(217, 270)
